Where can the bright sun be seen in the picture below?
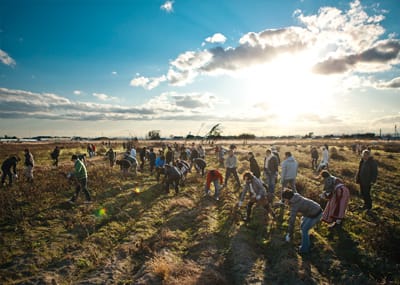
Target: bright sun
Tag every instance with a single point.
(288, 88)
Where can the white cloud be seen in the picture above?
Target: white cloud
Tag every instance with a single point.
(114, 73)
(216, 38)
(77, 92)
(167, 6)
(148, 83)
(337, 41)
(6, 59)
(104, 97)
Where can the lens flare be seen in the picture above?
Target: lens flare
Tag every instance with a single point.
(101, 212)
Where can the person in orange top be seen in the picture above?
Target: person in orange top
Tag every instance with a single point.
(215, 177)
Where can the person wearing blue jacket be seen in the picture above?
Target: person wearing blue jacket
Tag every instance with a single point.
(160, 163)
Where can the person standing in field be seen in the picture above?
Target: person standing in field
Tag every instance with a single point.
(215, 177)
(324, 164)
(254, 168)
(6, 167)
(194, 153)
(160, 163)
(314, 157)
(169, 155)
(111, 155)
(152, 160)
(142, 156)
(80, 174)
(289, 171)
(366, 176)
(221, 154)
(54, 155)
(270, 170)
(231, 165)
(29, 163)
(338, 196)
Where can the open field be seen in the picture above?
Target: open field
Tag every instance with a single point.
(155, 238)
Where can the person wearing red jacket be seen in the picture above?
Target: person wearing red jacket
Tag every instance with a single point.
(215, 177)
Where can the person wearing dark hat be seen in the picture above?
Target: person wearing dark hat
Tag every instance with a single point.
(366, 176)
(7, 165)
(338, 196)
(311, 212)
(81, 176)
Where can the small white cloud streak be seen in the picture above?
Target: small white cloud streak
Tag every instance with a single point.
(104, 97)
(6, 59)
(147, 83)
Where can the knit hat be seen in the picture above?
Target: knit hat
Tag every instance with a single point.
(329, 184)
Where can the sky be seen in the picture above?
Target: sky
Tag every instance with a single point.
(126, 67)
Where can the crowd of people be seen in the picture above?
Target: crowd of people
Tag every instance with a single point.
(172, 163)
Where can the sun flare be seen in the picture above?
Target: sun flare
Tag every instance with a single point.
(288, 88)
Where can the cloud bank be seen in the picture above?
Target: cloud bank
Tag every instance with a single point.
(24, 104)
(342, 41)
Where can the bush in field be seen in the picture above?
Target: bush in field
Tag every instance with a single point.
(386, 166)
(353, 188)
(347, 172)
(392, 148)
(334, 154)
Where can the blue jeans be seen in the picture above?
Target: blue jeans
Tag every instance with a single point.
(270, 179)
(306, 224)
(291, 182)
(229, 172)
(216, 186)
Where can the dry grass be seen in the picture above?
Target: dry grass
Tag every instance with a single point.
(154, 238)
